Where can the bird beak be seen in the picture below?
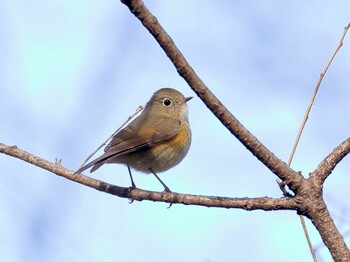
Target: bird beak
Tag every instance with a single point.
(188, 98)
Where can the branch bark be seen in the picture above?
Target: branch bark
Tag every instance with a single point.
(326, 167)
(308, 198)
(263, 203)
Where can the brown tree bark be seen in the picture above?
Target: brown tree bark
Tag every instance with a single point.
(307, 198)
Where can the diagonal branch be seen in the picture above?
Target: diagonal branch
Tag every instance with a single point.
(277, 166)
(326, 167)
(263, 203)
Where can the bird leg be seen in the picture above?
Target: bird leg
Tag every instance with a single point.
(132, 180)
(166, 188)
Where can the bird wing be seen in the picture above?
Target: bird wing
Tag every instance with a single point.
(136, 137)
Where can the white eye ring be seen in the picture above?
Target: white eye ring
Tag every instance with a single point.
(167, 102)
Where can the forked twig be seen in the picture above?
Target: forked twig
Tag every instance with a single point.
(306, 116)
(116, 131)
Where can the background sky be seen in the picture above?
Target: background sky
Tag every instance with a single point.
(72, 71)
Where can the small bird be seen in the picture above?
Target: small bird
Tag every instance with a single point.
(155, 141)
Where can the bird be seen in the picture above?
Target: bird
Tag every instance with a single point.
(157, 140)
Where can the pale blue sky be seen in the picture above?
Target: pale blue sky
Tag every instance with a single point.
(72, 71)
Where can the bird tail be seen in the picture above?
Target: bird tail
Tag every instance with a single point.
(93, 164)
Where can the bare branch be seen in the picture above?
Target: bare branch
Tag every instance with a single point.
(326, 167)
(277, 166)
(329, 233)
(302, 126)
(313, 206)
(263, 203)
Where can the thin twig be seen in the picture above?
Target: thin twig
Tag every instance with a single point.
(308, 239)
(306, 116)
(116, 131)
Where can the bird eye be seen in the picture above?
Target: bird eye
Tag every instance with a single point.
(167, 102)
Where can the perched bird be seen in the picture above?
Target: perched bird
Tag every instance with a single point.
(155, 141)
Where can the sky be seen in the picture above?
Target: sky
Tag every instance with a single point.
(72, 71)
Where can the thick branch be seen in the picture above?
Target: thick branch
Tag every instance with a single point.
(326, 167)
(276, 165)
(263, 203)
(328, 231)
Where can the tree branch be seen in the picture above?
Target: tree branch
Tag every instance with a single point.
(326, 167)
(263, 203)
(277, 166)
(308, 192)
(306, 117)
(329, 233)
